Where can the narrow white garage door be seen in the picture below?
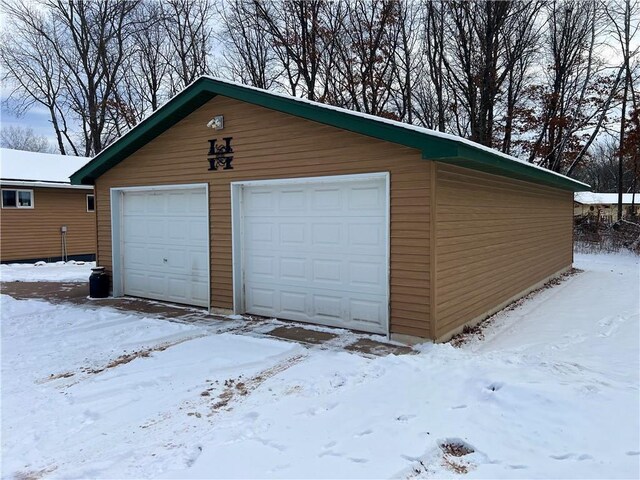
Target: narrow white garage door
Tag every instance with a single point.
(165, 245)
(317, 252)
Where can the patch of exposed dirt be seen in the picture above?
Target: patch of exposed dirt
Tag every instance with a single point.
(143, 353)
(476, 332)
(453, 452)
(35, 474)
(122, 359)
(455, 467)
(456, 449)
(57, 376)
(236, 389)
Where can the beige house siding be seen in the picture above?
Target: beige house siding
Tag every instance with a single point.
(494, 238)
(30, 233)
(267, 145)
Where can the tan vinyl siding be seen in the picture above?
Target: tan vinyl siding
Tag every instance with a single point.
(495, 237)
(30, 233)
(269, 144)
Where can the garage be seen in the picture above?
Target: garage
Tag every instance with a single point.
(252, 202)
(164, 244)
(315, 250)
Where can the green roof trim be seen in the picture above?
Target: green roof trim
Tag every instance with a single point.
(433, 145)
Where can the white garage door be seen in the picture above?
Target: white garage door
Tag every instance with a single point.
(165, 245)
(317, 252)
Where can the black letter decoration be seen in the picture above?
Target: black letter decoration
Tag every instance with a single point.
(220, 155)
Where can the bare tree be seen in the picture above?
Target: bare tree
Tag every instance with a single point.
(601, 171)
(486, 42)
(34, 69)
(573, 98)
(249, 55)
(24, 138)
(88, 42)
(623, 16)
(188, 30)
(143, 84)
(295, 29)
(430, 93)
(368, 57)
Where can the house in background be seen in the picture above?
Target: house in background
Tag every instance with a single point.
(43, 216)
(239, 199)
(604, 205)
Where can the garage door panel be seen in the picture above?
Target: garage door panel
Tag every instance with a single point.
(157, 284)
(363, 234)
(327, 272)
(317, 252)
(176, 260)
(293, 268)
(259, 200)
(261, 299)
(156, 229)
(358, 311)
(198, 263)
(326, 234)
(365, 312)
(156, 204)
(292, 200)
(292, 234)
(368, 275)
(260, 231)
(165, 245)
(198, 232)
(136, 231)
(200, 291)
(329, 307)
(136, 203)
(325, 199)
(136, 282)
(367, 198)
(177, 286)
(365, 274)
(136, 255)
(292, 303)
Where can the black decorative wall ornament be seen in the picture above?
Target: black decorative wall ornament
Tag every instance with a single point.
(220, 155)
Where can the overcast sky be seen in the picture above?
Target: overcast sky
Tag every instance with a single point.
(36, 118)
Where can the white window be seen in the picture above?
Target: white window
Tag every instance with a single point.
(91, 203)
(17, 198)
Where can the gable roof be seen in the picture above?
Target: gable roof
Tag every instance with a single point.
(594, 198)
(433, 145)
(19, 167)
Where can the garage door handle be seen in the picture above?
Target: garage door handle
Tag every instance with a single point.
(164, 260)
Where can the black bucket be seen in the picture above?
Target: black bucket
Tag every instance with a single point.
(98, 283)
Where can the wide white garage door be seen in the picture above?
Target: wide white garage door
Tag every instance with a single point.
(317, 252)
(165, 245)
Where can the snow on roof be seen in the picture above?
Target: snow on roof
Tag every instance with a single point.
(594, 198)
(408, 126)
(22, 166)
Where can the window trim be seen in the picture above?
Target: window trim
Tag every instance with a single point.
(94, 202)
(18, 190)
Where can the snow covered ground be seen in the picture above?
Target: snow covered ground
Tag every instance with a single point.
(70, 271)
(552, 392)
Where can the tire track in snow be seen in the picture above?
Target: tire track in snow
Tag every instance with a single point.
(120, 360)
(236, 390)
